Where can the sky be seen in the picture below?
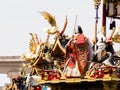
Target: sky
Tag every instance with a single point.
(18, 18)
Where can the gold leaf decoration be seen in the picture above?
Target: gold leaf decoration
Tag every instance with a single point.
(49, 18)
(32, 44)
(116, 38)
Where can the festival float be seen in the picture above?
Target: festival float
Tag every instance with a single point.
(68, 65)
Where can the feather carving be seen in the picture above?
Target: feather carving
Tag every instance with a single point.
(116, 38)
(32, 44)
(49, 18)
(52, 30)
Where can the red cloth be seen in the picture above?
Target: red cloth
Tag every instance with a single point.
(80, 40)
(37, 88)
(108, 40)
(72, 60)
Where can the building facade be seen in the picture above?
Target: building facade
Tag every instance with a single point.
(9, 65)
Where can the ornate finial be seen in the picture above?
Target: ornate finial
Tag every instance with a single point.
(97, 3)
(22, 69)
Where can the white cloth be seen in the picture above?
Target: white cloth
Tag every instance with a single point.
(101, 46)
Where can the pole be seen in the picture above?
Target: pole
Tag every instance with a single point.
(75, 25)
(97, 3)
(96, 23)
(104, 17)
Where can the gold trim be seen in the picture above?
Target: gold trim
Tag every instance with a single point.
(116, 38)
(79, 80)
(104, 30)
(104, 1)
(59, 45)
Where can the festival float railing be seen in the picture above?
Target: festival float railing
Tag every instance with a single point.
(104, 78)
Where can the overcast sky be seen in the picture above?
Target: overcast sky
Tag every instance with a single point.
(20, 17)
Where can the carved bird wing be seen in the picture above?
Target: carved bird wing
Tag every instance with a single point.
(33, 47)
(32, 44)
(49, 18)
(116, 38)
(52, 30)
